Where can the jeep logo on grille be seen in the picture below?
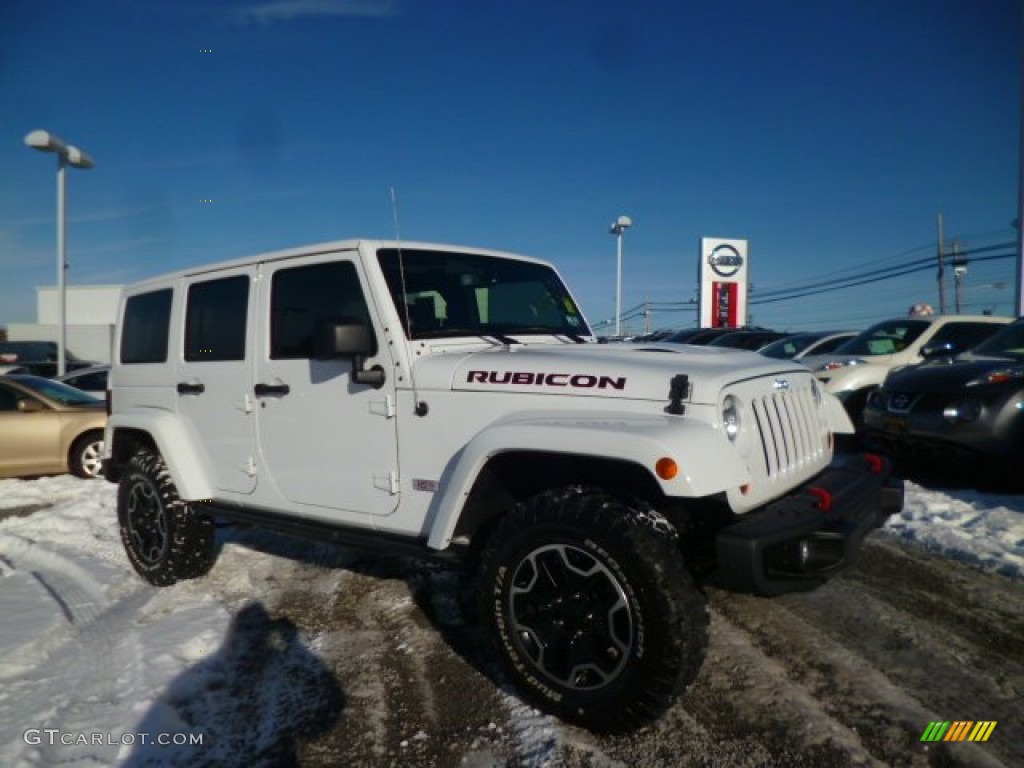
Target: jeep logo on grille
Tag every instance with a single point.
(782, 385)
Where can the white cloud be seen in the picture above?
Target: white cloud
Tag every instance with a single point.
(288, 10)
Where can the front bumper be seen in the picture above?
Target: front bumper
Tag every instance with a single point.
(797, 542)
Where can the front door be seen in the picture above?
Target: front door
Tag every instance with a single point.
(326, 441)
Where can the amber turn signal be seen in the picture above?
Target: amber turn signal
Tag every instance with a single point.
(666, 468)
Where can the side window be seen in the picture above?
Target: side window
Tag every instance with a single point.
(301, 298)
(965, 335)
(830, 345)
(8, 399)
(146, 321)
(215, 319)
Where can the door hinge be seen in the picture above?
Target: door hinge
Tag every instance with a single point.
(246, 403)
(388, 482)
(385, 407)
(250, 467)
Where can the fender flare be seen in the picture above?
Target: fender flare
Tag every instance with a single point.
(187, 467)
(707, 464)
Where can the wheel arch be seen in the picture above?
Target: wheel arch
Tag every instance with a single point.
(184, 456)
(503, 465)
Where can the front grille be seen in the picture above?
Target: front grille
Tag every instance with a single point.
(791, 432)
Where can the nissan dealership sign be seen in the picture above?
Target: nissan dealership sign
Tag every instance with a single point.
(723, 283)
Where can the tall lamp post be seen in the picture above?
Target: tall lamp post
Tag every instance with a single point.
(619, 226)
(76, 158)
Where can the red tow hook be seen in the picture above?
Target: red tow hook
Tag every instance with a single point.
(875, 462)
(824, 498)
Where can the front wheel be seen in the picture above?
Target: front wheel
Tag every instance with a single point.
(589, 604)
(165, 539)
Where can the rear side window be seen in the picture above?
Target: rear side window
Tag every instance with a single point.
(215, 319)
(304, 297)
(144, 327)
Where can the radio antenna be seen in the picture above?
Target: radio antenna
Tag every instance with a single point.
(420, 407)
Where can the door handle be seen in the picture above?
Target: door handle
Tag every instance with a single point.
(262, 390)
(190, 388)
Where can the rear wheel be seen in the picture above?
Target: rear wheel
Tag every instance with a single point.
(591, 608)
(85, 459)
(165, 538)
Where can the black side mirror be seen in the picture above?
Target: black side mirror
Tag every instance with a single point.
(355, 340)
(935, 349)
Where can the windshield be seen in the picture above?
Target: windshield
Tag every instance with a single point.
(1008, 342)
(443, 294)
(58, 392)
(885, 338)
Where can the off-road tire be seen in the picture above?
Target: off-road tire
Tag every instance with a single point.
(591, 609)
(86, 455)
(166, 539)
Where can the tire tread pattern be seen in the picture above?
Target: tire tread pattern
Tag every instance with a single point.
(190, 551)
(647, 546)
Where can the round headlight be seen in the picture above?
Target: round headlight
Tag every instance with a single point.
(731, 417)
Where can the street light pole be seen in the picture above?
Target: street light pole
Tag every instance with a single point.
(619, 226)
(73, 156)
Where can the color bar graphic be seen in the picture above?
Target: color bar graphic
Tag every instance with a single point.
(959, 730)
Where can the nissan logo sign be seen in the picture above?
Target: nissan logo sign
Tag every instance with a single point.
(725, 260)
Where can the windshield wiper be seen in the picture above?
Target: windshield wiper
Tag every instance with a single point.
(441, 333)
(544, 329)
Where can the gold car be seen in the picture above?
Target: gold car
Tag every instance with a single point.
(49, 428)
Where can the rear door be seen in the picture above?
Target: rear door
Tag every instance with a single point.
(215, 372)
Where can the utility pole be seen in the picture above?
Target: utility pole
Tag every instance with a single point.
(941, 274)
(959, 273)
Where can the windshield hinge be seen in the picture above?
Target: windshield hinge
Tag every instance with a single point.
(678, 390)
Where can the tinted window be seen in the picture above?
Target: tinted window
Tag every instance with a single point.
(8, 399)
(215, 319)
(90, 382)
(304, 297)
(831, 344)
(147, 319)
(1008, 342)
(965, 335)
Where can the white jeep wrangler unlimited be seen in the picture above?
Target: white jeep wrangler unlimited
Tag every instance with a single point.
(443, 401)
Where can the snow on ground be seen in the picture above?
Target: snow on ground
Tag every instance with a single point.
(64, 576)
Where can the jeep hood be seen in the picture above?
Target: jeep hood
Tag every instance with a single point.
(632, 371)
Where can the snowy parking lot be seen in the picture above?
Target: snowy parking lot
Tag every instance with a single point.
(290, 652)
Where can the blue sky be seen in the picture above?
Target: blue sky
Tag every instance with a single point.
(829, 133)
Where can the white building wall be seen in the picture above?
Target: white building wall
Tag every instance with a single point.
(91, 311)
(85, 304)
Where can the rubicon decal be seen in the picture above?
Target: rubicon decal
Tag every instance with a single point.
(529, 378)
(959, 730)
